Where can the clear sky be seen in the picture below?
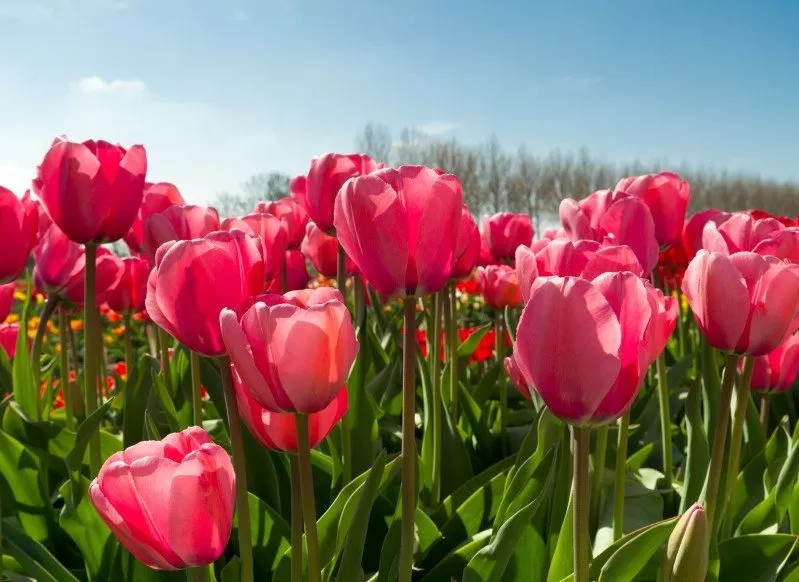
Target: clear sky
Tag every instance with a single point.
(217, 90)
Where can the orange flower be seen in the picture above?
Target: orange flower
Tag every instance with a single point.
(76, 325)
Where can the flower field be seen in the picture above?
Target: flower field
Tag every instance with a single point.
(364, 382)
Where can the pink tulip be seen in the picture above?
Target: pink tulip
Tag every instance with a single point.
(695, 226)
(667, 196)
(499, 285)
(743, 303)
(467, 247)
(157, 198)
(291, 214)
(740, 232)
(9, 332)
(776, 371)
(400, 227)
(321, 250)
(278, 430)
(292, 352)
(516, 378)
(6, 299)
(183, 222)
(505, 231)
(19, 221)
(614, 218)
(326, 177)
(296, 274)
(194, 280)
(169, 502)
(92, 190)
(582, 344)
(297, 191)
(129, 293)
(661, 325)
(273, 234)
(783, 244)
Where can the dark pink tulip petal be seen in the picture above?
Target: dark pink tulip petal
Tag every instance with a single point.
(631, 224)
(667, 195)
(776, 371)
(19, 225)
(499, 285)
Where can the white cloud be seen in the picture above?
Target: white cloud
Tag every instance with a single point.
(97, 85)
(437, 127)
(577, 81)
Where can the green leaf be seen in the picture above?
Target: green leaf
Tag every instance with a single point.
(35, 559)
(167, 403)
(760, 518)
(562, 563)
(451, 567)
(231, 571)
(639, 457)
(137, 392)
(355, 538)
(630, 555)
(643, 505)
(754, 558)
(786, 481)
(362, 412)
(698, 450)
(26, 395)
(19, 476)
(86, 430)
(477, 417)
(271, 537)
(469, 345)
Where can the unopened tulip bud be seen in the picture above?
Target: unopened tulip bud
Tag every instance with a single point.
(686, 558)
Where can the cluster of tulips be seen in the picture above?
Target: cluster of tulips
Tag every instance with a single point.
(588, 310)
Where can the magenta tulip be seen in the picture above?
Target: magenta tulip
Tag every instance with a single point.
(278, 430)
(93, 190)
(292, 352)
(6, 299)
(296, 274)
(740, 232)
(19, 220)
(194, 280)
(516, 378)
(667, 195)
(783, 244)
(273, 234)
(744, 303)
(499, 285)
(321, 250)
(291, 214)
(169, 502)
(9, 333)
(179, 222)
(157, 198)
(297, 191)
(130, 292)
(400, 227)
(467, 246)
(776, 371)
(504, 232)
(694, 228)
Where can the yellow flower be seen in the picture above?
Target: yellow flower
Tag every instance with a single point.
(39, 298)
(19, 296)
(108, 340)
(12, 318)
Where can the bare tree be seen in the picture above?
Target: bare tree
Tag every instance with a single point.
(495, 166)
(375, 140)
(262, 186)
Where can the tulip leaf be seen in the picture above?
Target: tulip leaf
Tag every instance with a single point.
(476, 417)
(562, 563)
(35, 559)
(137, 393)
(755, 558)
(86, 430)
(167, 404)
(231, 571)
(452, 565)
(6, 376)
(624, 560)
(698, 450)
(19, 476)
(786, 481)
(639, 457)
(26, 395)
(271, 537)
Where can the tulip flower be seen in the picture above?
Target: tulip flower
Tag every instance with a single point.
(169, 502)
(6, 299)
(183, 222)
(776, 371)
(504, 232)
(667, 196)
(783, 244)
(296, 274)
(321, 250)
(297, 191)
(157, 198)
(744, 303)
(467, 246)
(8, 338)
(740, 232)
(688, 548)
(292, 352)
(291, 214)
(693, 230)
(19, 221)
(44, 219)
(615, 218)
(400, 228)
(516, 378)
(327, 175)
(92, 190)
(278, 430)
(499, 285)
(129, 293)
(194, 280)
(273, 234)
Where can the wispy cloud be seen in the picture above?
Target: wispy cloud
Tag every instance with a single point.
(437, 127)
(98, 86)
(577, 81)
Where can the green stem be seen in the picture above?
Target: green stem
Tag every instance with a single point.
(78, 400)
(90, 355)
(164, 340)
(341, 272)
(435, 356)
(621, 473)
(66, 385)
(197, 574)
(36, 350)
(296, 520)
(408, 439)
(129, 355)
(499, 320)
(196, 388)
(240, 467)
(680, 325)
(665, 425)
(454, 340)
(581, 443)
(346, 437)
(599, 469)
(719, 438)
(307, 494)
(736, 439)
(765, 400)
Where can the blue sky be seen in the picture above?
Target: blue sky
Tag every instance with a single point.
(218, 90)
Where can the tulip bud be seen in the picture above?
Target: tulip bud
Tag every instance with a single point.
(686, 558)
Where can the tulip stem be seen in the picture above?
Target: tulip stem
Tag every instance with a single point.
(240, 467)
(739, 416)
(346, 441)
(600, 455)
(164, 340)
(66, 385)
(90, 355)
(719, 438)
(665, 427)
(581, 443)
(308, 502)
(405, 568)
(196, 388)
(765, 400)
(129, 355)
(499, 319)
(341, 272)
(621, 474)
(296, 520)
(36, 349)
(435, 373)
(453, 340)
